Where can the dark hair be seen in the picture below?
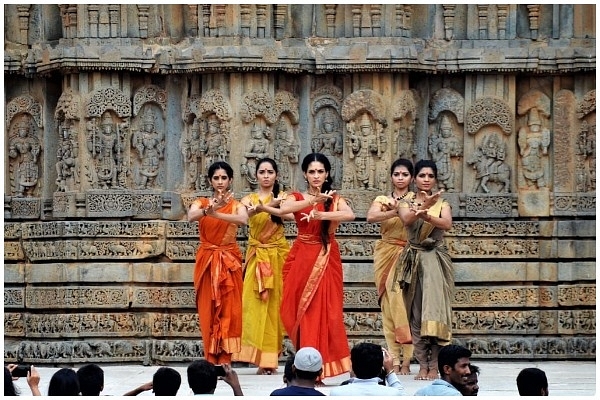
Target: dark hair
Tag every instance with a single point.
(426, 164)
(450, 354)
(288, 372)
(367, 360)
(91, 380)
(307, 375)
(274, 218)
(64, 382)
(474, 369)
(202, 377)
(219, 165)
(318, 157)
(166, 382)
(531, 381)
(9, 387)
(403, 162)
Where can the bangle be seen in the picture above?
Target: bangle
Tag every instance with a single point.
(204, 212)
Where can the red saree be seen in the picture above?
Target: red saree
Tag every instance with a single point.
(312, 305)
(218, 284)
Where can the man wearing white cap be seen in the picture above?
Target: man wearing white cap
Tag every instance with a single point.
(307, 367)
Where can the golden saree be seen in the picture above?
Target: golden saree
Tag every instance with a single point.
(313, 299)
(385, 258)
(218, 284)
(262, 330)
(426, 259)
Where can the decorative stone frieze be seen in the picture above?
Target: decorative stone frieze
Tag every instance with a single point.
(77, 297)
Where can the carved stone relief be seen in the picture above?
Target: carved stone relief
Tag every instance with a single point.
(585, 171)
(208, 137)
(404, 117)
(534, 140)
(328, 136)
(24, 146)
(366, 150)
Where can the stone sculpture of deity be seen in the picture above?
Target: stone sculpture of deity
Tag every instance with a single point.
(534, 141)
(256, 148)
(106, 148)
(216, 142)
(24, 151)
(489, 162)
(66, 165)
(366, 145)
(194, 146)
(443, 148)
(286, 152)
(150, 146)
(329, 142)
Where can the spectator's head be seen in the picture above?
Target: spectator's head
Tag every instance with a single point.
(9, 386)
(471, 387)
(202, 377)
(166, 382)
(288, 371)
(367, 360)
(64, 382)
(91, 380)
(532, 382)
(308, 363)
(453, 364)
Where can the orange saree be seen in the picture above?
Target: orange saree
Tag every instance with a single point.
(218, 284)
(312, 304)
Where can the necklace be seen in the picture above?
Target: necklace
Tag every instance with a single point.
(308, 191)
(401, 197)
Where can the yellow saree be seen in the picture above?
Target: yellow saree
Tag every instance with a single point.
(262, 330)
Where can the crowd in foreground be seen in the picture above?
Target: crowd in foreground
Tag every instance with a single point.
(372, 374)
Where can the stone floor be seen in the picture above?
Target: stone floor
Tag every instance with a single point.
(566, 378)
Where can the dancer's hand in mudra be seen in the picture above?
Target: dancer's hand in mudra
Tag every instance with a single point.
(313, 214)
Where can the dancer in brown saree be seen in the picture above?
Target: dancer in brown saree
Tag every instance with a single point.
(425, 270)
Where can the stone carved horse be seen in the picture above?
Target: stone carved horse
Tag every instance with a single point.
(490, 170)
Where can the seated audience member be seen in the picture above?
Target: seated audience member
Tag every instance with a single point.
(165, 382)
(368, 361)
(532, 382)
(453, 364)
(64, 382)
(471, 387)
(91, 380)
(33, 380)
(307, 367)
(202, 378)
(288, 373)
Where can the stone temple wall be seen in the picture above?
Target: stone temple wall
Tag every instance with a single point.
(114, 112)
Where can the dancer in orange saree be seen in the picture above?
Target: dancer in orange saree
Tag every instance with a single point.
(218, 271)
(262, 330)
(384, 210)
(313, 300)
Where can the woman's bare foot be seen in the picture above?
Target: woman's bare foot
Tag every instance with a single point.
(266, 371)
(396, 369)
(432, 374)
(405, 369)
(260, 371)
(422, 375)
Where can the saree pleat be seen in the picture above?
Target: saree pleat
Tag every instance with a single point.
(262, 330)
(218, 285)
(312, 304)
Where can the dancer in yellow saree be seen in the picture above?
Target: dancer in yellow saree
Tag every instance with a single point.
(262, 330)
(384, 210)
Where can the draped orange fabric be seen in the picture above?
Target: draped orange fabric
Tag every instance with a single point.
(313, 300)
(218, 284)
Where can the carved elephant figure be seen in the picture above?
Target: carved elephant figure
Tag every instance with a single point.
(117, 249)
(82, 350)
(478, 346)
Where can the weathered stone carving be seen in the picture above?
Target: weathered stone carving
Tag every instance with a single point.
(256, 147)
(534, 140)
(150, 145)
(497, 206)
(489, 111)
(488, 161)
(24, 150)
(446, 151)
(404, 116)
(286, 152)
(329, 140)
(585, 170)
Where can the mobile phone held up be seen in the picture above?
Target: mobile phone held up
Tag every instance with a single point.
(220, 370)
(21, 371)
